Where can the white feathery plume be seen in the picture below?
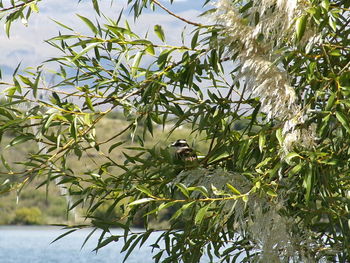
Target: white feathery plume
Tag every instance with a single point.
(264, 78)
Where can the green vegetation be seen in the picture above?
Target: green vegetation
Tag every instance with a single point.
(46, 205)
(28, 216)
(262, 89)
(51, 208)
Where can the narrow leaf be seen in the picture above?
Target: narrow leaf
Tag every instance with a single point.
(200, 214)
(89, 24)
(63, 235)
(62, 25)
(144, 190)
(233, 189)
(136, 63)
(141, 201)
(343, 120)
(115, 146)
(183, 189)
(300, 27)
(159, 32)
(262, 140)
(290, 156)
(85, 50)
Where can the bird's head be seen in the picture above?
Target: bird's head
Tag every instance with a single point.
(180, 144)
(184, 152)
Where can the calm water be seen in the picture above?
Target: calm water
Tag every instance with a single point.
(32, 245)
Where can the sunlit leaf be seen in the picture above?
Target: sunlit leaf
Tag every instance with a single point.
(300, 27)
(89, 24)
(141, 201)
(159, 32)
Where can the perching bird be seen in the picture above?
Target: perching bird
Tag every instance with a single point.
(184, 152)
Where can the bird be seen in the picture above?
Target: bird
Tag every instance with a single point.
(184, 153)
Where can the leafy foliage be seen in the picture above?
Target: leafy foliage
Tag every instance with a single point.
(250, 198)
(28, 216)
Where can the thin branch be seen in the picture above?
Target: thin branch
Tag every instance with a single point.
(114, 136)
(16, 6)
(173, 14)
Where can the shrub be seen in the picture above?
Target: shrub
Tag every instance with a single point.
(28, 216)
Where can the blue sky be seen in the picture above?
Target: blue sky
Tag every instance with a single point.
(26, 44)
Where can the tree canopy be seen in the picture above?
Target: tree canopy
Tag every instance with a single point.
(262, 88)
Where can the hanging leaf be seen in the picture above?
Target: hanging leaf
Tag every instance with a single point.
(343, 120)
(89, 24)
(85, 50)
(300, 27)
(136, 63)
(159, 32)
(262, 140)
(141, 201)
(200, 214)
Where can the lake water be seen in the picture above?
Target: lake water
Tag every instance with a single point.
(32, 245)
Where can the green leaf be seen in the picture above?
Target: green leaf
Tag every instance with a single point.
(330, 102)
(35, 85)
(300, 27)
(144, 190)
(159, 32)
(34, 7)
(291, 156)
(73, 128)
(7, 27)
(271, 192)
(115, 146)
(296, 169)
(183, 189)
(166, 205)
(106, 241)
(136, 63)
(200, 189)
(85, 50)
(128, 242)
(63, 235)
(343, 120)
(262, 140)
(219, 154)
(194, 40)
(96, 6)
(131, 248)
(150, 50)
(89, 24)
(142, 201)
(49, 120)
(200, 214)
(279, 136)
(5, 163)
(181, 210)
(21, 139)
(233, 189)
(62, 25)
(325, 4)
(333, 24)
(335, 52)
(25, 80)
(308, 184)
(88, 102)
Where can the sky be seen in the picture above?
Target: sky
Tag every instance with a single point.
(26, 43)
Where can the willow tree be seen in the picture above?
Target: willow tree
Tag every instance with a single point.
(263, 84)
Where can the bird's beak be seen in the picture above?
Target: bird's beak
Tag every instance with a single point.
(171, 145)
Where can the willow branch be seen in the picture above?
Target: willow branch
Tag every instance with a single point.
(16, 6)
(175, 15)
